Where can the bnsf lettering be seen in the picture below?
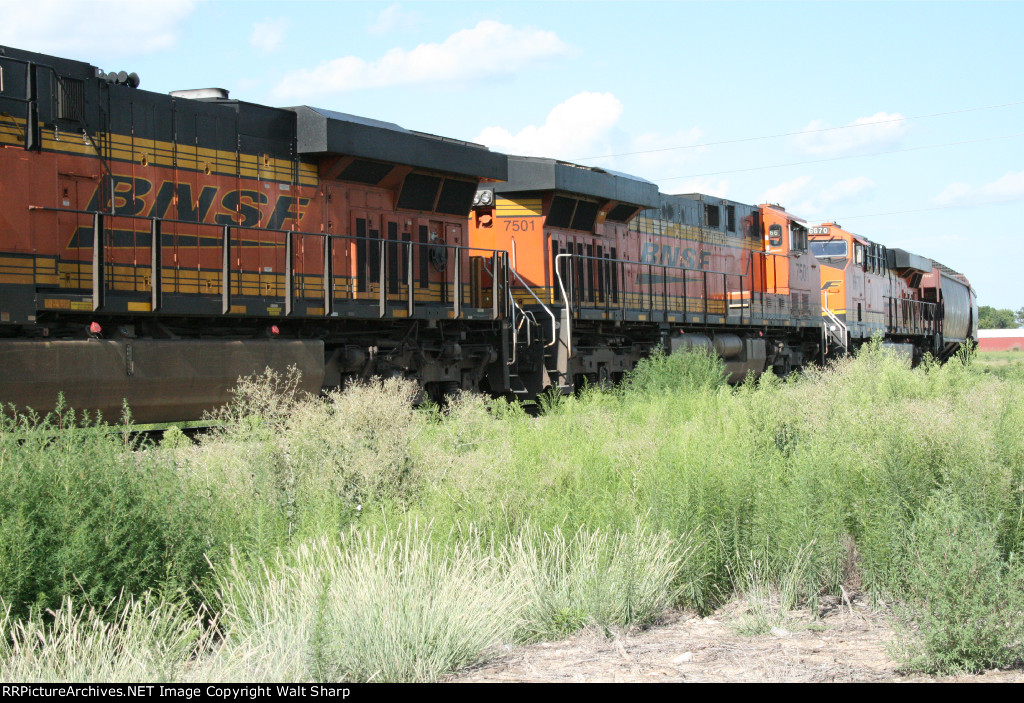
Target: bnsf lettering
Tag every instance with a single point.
(128, 193)
(286, 210)
(243, 204)
(177, 201)
(667, 255)
(180, 194)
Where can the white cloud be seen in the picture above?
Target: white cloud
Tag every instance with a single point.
(391, 18)
(845, 191)
(580, 125)
(96, 30)
(269, 34)
(863, 135)
(806, 198)
(585, 129)
(1009, 187)
(787, 192)
(488, 49)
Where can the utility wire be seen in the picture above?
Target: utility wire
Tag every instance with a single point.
(793, 134)
(841, 158)
(922, 209)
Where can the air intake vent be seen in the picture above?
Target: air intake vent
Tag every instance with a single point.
(70, 99)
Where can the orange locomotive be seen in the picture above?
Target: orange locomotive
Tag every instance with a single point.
(155, 247)
(609, 269)
(914, 304)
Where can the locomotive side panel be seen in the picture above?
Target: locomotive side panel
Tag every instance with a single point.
(154, 248)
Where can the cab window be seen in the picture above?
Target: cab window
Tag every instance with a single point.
(798, 237)
(829, 249)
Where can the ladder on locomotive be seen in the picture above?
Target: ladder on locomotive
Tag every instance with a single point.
(834, 331)
(526, 329)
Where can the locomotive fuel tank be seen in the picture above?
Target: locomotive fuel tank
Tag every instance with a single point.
(741, 355)
(159, 379)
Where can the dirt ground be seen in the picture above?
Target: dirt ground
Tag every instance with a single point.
(846, 643)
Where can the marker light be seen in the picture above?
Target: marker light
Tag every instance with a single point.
(274, 330)
(94, 328)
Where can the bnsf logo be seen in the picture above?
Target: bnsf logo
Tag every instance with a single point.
(137, 196)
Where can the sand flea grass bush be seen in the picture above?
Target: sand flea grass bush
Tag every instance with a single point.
(85, 514)
(408, 604)
(376, 606)
(131, 640)
(611, 580)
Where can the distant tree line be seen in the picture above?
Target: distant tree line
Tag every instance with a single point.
(990, 318)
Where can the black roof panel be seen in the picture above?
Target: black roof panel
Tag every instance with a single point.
(326, 132)
(528, 173)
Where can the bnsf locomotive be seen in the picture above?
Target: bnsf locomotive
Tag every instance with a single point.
(153, 248)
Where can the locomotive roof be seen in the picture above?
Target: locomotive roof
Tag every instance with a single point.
(903, 259)
(529, 173)
(327, 132)
(950, 273)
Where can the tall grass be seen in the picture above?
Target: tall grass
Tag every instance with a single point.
(135, 640)
(84, 514)
(401, 604)
(378, 606)
(672, 490)
(965, 602)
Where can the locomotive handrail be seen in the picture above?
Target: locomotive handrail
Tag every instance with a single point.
(227, 231)
(839, 330)
(524, 316)
(554, 322)
(663, 269)
(919, 321)
(568, 310)
(32, 104)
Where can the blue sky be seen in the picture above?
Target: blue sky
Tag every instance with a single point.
(903, 121)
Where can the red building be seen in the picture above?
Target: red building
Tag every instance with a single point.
(1001, 340)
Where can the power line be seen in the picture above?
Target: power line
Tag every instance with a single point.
(841, 158)
(793, 134)
(922, 209)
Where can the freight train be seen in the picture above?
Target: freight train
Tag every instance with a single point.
(154, 248)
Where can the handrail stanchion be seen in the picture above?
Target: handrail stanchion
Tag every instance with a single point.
(664, 291)
(705, 293)
(457, 284)
(328, 274)
(99, 282)
(155, 266)
(381, 281)
(410, 280)
(289, 273)
(650, 291)
(225, 271)
(494, 285)
(622, 290)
